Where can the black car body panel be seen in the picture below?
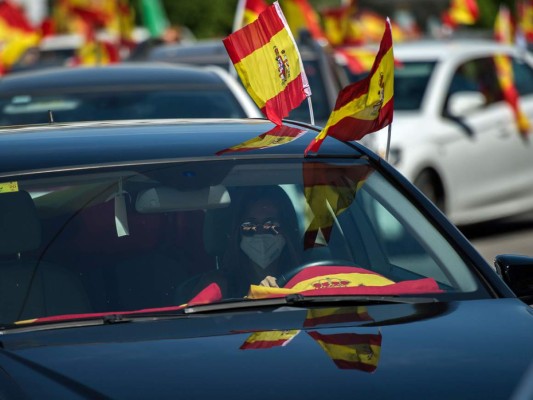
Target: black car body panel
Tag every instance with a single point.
(468, 342)
(436, 351)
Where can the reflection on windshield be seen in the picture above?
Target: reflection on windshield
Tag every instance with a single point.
(246, 228)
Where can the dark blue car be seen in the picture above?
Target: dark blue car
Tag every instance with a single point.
(210, 259)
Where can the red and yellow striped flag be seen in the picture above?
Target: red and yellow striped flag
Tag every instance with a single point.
(504, 33)
(504, 26)
(251, 10)
(274, 137)
(268, 62)
(461, 12)
(300, 15)
(336, 280)
(525, 19)
(364, 106)
(16, 34)
(268, 339)
(504, 70)
(351, 350)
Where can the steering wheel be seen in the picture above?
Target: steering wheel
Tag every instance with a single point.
(287, 276)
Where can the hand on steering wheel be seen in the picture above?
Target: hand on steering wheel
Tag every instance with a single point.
(288, 275)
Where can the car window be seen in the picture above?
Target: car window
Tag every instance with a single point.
(154, 235)
(478, 75)
(410, 83)
(132, 104)
(523, 75)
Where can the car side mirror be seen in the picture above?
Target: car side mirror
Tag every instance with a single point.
(517, 272)
(461, 104)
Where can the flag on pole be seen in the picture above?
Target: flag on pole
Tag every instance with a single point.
(461, 12)
(367, 105)
(247, 12)
(504, 32)
(525, 19)
(268, 62)
(300, 15)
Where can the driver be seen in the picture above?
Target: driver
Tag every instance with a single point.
(264, 241)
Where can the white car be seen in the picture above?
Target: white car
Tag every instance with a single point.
(454, 135)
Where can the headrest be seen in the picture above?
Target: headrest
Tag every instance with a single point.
(20, 229)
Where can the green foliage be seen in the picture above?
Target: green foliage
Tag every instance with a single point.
(205, 18)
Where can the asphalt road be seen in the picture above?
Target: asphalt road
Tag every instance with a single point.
(513, 236)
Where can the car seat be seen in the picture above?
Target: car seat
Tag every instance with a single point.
(29, 286)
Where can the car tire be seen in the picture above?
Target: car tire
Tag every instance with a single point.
(429, 183)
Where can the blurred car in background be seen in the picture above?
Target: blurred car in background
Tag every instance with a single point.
(325, 77)
(53, 51)
(122, 91)
(108, 229)
(453, 133)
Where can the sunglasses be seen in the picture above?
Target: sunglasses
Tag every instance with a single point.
(269, 226)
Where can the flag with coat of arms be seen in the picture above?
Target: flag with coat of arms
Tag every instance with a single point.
(269, 64)
(364, 106)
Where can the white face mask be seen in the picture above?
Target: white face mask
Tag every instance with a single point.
(263, 249)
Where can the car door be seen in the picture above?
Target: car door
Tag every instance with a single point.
(491, 161)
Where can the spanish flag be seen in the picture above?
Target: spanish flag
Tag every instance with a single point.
(351, 350)
(525, 19)
(338, 280)
(461, 12)
(268, 339)
(504, 32)
(301, 16)
(325, 316)
(16, 34)
(504, 70)
(251, 10)
(278, 135)
(267, 60)
(341, 27)
(366, 105)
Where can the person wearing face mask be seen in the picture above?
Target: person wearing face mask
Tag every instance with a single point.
(264, 241)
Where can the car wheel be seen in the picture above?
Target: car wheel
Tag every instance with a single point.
(429, 183)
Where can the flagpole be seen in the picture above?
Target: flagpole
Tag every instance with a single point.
(237, 24)
(311, 114)
(388, 143)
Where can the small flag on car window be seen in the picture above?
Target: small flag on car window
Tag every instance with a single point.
(268, 62)
(367, 105)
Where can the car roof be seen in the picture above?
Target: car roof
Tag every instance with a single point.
(124, 74)
(59, 146)
(206, 51)
(446, 49)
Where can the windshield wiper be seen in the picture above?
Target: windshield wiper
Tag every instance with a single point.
(301, 300)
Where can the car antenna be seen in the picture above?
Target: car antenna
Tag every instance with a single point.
(50, 117)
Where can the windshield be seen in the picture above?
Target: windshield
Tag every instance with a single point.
(410, 83)
(90, 105)
(155, 236)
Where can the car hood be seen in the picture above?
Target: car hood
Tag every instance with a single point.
(471, 349)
